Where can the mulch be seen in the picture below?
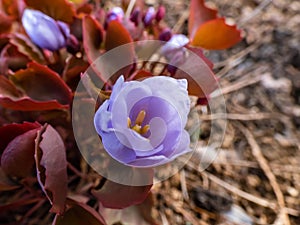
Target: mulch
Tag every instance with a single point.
(255, 178)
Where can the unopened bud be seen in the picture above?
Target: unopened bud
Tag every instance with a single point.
(160, 14)
(149, 16)
(165, 35)
(135, 16)
(73, 45)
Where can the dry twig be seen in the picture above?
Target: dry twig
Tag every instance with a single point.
(256, 151)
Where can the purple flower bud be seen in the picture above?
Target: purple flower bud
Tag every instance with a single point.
(73, 45)
(149, 16)
(142, 124)
(165, 35)
(116, 13)
(160, 14)
(44, 31)
(175, 44)
(135, 16)
(176, 60)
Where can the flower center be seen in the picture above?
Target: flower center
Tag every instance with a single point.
(137, 127)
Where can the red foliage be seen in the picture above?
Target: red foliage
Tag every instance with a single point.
(208, 31)
(51, 166)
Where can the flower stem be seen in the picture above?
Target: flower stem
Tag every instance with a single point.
(130, 8)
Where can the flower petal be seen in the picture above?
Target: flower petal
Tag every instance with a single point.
(176, 43)
(43, 30)
(151, 161)
(116, 149)
(183, 146)
(173, 91)
(102, 118)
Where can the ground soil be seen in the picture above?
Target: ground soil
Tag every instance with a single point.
(256, 177)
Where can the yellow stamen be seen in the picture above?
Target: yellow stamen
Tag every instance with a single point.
(138, 123)
(140, 118)
(145, 129)
(137, 128)
(128, 122)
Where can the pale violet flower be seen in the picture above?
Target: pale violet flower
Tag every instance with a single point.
(149, 16)
(116, 13)
(142, 124)
(174, 45)
(44, 31)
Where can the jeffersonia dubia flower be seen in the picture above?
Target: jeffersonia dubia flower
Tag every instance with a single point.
(142, 124)
(116, 13)
(149, 16)
(175, 44)
(174, 51)
(44, 31)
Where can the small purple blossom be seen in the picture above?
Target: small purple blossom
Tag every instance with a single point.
(44, 31)
(135, 16)
(149, 16)
(160, 14)
(116, 13)
(165, 35)
(142, 124)
(175, 44)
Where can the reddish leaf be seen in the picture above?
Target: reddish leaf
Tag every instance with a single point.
(84, 8)
(4, 40)
(51, 165)
(13, 8)
(5, 23)
(146, 209)
(92, 37)
(199, 52)
(12, 59)
(199, 14)
(76, 28)
(216, 35)
(7, 88)
(17, 159)
(12, 98)
(10, 131)
(27, 104)
(62, 10)
(26, 47)
(5, 183)
(200, 77)
(73, 69)
(10, 7)
(118, 196)
(42, 85)
(116, 36)
(79, 214)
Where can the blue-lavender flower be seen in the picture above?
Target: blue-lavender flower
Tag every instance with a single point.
(175, 44)
(142, 124)
(149, 16)
(44, 31)
(116, 13)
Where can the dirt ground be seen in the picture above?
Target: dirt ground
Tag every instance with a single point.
(256, 176)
